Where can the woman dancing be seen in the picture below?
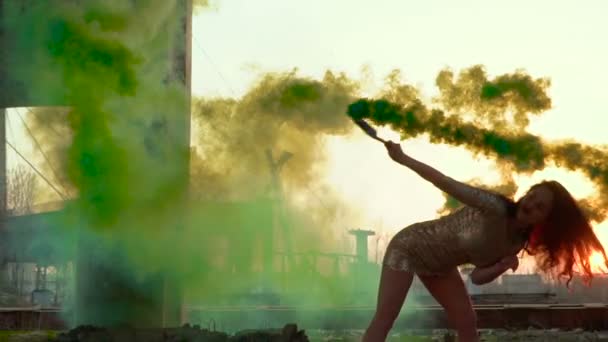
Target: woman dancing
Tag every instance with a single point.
(487, 232)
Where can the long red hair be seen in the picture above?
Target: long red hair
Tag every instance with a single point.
(564, 243)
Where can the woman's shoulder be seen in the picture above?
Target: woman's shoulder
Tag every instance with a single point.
(496, 203)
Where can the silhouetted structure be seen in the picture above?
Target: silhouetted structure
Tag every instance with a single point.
(362, 244)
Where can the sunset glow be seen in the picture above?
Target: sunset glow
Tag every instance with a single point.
(597, 262)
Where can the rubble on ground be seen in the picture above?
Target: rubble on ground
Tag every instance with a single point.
(291, 333)
(187, 333)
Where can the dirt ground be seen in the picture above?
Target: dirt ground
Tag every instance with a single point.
(355, 335)
(486, 335)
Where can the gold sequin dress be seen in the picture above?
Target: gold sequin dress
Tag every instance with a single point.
(477, 234)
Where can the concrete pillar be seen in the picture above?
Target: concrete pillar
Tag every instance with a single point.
(108, 290)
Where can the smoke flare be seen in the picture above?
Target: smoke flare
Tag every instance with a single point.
(488, 132)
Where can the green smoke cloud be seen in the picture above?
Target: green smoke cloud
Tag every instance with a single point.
(119, 151)
(234, 223)
(109, 61)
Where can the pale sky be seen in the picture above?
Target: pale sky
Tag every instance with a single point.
(562, 40)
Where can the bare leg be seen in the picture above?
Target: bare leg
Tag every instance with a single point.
(393, 288)
(449, 290)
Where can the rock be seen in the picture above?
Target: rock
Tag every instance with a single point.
(289, 333)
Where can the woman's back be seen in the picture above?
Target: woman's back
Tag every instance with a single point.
(480, 236)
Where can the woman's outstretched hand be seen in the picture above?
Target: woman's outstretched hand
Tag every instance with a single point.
(511, 261)
(394, 151)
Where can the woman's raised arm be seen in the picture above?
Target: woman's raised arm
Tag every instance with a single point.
(464, 193)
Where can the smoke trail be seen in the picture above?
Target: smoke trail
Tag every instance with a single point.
(282, 112)
(491, 101)
(281, 116)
